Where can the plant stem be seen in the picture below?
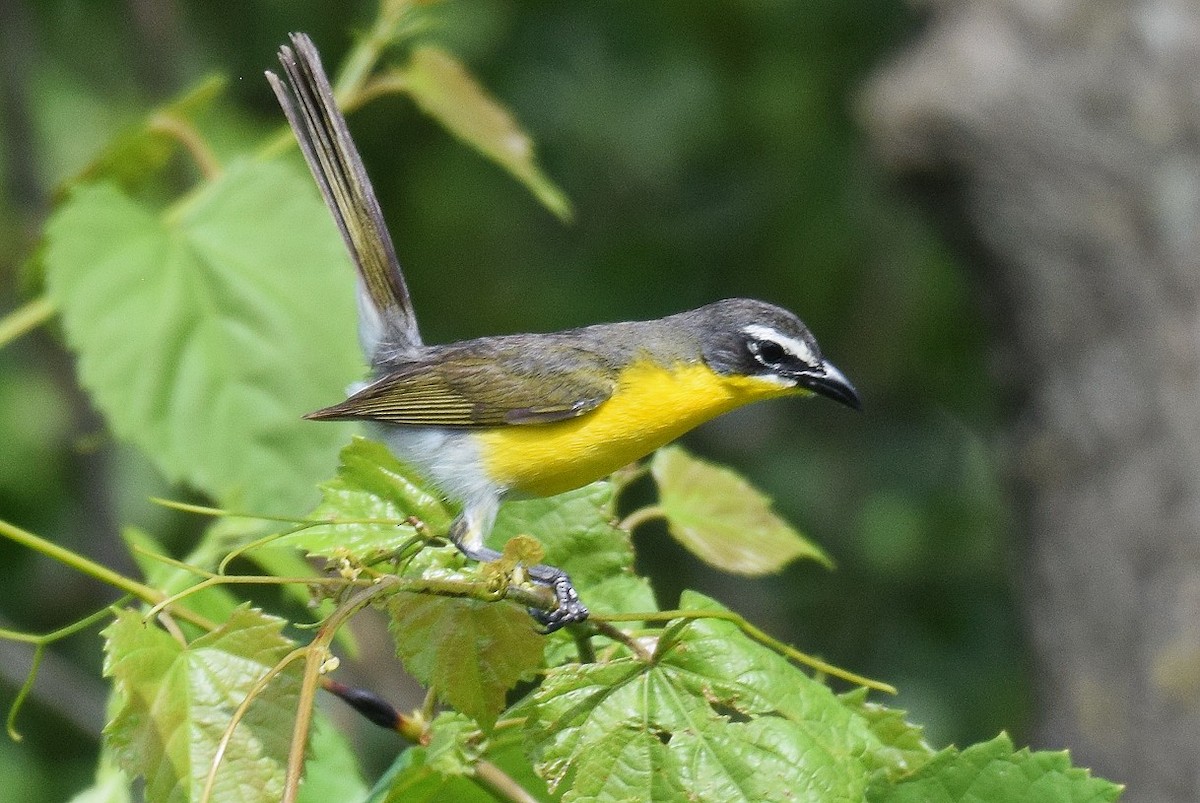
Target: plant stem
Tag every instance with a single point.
(239, 713)
(500, 784)
(753, 632)
(618, 635)
(151, 596)
(641, 516)
(80, 563)
(186, 135)
(25, 319)
(366, 53)
(41, 642)
(317, 652)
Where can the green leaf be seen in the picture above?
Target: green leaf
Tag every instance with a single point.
(371, 484)
(450, 751)
(470, 652)
(205, 334)
(177, 701)
(724, 520)
(714, 716)
(446, 91)
(992, 772)
(111, 785)
(899, 747)
(579, 533)
(413, 778)
(410, 779)
(144, 149)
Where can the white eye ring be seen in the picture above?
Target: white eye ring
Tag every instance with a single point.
(767, 352)
(761, 334)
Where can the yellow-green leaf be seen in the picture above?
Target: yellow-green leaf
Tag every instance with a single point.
(367, 505)
(145, 148)
(205, 334)
(723, 519)
(446, 91)
(177, 700)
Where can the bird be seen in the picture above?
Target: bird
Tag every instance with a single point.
(530, 414)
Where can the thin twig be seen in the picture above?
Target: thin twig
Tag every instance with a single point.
(318, 652)
(186, 135)
(500, 783)
(618, 635)
(41, 642)
(25, 319)
(758, 635)
(641, 516)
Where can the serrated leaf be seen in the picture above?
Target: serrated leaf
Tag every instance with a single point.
(204, 335)
(579, 533)
(899, 747)
(993, 772)
(722, 519)
(371, 484)
(446, 91)
(177, 701)
(714, 717)
(628, 765)
(470, 652)
(410, 779)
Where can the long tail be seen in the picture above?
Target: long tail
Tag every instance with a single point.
(386, 319)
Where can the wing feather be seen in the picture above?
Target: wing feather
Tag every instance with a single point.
(461, 387)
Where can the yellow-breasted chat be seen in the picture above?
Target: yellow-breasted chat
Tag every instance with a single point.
(533, 414)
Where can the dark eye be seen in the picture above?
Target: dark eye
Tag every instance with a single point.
(768, 351)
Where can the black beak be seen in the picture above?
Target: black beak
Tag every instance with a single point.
(832, 383)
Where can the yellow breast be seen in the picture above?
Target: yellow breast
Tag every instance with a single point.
(653, 405)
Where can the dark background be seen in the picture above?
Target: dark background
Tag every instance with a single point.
(710, 150)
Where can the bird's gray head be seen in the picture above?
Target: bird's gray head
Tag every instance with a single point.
(753, 338)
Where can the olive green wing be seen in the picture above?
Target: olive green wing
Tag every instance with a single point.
(474, 391)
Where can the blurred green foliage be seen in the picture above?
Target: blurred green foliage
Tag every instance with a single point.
(709, 150)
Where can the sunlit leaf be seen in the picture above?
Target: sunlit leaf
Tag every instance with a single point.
(446, 91)
(899, 747)
(205, 334)
(371, 486)
(177, 701)
(993, 772)
(724, 520)
(470, 652)
(714, 717)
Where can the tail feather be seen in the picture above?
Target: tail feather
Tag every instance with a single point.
(387, 321)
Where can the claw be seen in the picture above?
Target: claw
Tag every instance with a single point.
(569, 609)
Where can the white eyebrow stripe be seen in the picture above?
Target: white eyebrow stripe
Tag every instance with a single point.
(797, 348)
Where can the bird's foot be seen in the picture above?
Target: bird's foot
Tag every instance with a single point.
(569, 609)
